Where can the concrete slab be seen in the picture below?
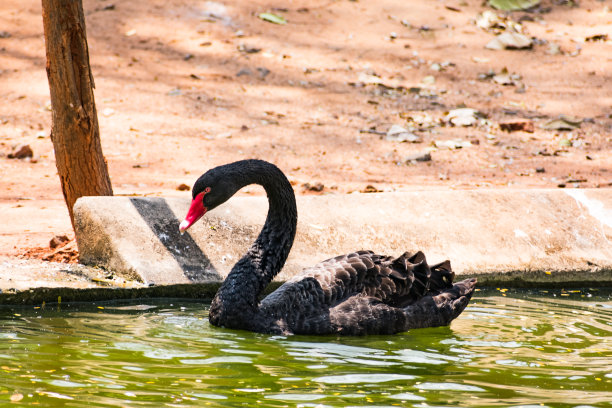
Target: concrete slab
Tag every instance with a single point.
(508, 235)
(34, 282)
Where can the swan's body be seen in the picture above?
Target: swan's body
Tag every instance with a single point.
(354, 294)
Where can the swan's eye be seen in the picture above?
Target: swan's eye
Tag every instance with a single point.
(207, 190)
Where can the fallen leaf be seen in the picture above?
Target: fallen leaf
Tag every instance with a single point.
(513, 5)
(563, 122)
(480, 60)
(452, 144)
(316, 187)
(518, 125)
(597, 37)
(273, 18)
(399, 134)
(488, 19)
(16, 397)
(370, 189)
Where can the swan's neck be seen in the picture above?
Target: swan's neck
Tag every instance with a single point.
(236, 302)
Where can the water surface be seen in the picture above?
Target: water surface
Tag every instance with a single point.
(510, 349)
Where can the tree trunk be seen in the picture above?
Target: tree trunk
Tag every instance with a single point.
(76, 138)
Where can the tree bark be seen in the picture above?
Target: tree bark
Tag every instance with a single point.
(75, 134)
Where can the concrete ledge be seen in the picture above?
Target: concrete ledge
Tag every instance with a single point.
(563, 235)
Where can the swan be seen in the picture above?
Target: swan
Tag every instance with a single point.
(354, 294)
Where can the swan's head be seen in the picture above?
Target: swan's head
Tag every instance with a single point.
(212, 189)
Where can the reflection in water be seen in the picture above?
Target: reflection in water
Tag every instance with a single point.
(507, 349)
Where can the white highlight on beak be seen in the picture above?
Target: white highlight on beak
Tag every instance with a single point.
(184, 225)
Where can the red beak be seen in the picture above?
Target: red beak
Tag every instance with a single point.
(196, 211)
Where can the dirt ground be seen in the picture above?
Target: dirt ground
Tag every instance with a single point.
(182, 86)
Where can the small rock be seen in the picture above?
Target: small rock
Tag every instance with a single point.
(554, 49)
(428, 80)
(263, 72)
(540, 170)
(518, 125)
(5, 34)
(418, 157)
(397, 133)
(503, 79)
(183, 187)
(244, 71)
(462, 117)
(509, 41)
(21, 151)
(58, 241)
(365, 78)
(248, 49)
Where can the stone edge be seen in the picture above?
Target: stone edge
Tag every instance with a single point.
(205, 291)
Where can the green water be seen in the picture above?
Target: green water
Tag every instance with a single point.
(507, 349)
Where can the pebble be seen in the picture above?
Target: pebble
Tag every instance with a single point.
(418, 157)
(21, 151)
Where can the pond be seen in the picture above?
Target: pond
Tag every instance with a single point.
(509, 348)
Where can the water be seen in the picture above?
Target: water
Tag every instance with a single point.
(539, 349)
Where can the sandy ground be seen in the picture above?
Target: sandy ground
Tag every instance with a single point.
(182, 86)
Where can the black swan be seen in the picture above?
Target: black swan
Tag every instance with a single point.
(354, 294)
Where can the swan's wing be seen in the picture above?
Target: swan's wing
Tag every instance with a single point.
(396, 282)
